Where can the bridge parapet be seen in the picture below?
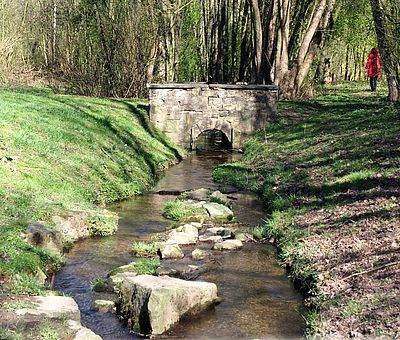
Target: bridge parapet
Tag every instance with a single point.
(184, 111)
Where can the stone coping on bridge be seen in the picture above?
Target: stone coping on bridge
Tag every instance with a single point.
(212, 86)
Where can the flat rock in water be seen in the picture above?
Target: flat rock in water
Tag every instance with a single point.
(178, 237)
(218, 212)
(198, 195)
(214, 230)
(220, 197)
(211, 238)
(118, 278)
(103, 306)
(199, 254)
(81, 333)
(221, 231)
(228, 245)
(123, 269)
(198, 225)
(188, 229)
(169, 251)
(154, 304)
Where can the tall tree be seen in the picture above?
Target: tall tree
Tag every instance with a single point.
(387, 47)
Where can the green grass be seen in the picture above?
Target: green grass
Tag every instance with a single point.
(11, 306)
(321, 154)
(146, 266)
(144, 249)
(61, 153)
(177, 209)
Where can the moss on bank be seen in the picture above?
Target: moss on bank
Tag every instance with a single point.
(68, 153)
(328, 172)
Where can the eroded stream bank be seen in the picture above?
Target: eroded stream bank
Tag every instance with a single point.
(258, 299)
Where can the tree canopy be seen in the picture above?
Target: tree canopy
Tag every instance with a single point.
(115, 47)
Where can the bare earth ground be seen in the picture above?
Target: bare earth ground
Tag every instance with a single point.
(329, 173)
(358, 261)
(354, 247)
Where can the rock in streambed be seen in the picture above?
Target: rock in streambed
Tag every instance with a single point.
(152, 305)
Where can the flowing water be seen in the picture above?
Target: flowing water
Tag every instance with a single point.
(258, 300)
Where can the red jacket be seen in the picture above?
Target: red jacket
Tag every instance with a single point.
(374, 64)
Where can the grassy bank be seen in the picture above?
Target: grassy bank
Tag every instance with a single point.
(329, 173)
(67, 153)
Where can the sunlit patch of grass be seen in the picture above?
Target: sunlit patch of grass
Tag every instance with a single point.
(321, 154)
(10, 306)
(147, 266)
(61, 153)
(144, 249)
(177, 209)
(24, 284)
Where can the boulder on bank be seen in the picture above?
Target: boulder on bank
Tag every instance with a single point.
(151, 304)
(35, 310)
(73, 226)
(218, 212)
(42, 236)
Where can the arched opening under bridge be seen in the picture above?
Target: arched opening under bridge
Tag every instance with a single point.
(212, 140)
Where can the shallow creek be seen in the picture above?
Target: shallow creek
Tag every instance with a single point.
(258, 300)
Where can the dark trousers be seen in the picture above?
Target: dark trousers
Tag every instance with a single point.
(373, 81)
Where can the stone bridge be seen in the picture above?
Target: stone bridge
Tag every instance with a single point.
(185, 111)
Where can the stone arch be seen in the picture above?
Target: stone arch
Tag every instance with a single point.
(184, 111)
(212, 140)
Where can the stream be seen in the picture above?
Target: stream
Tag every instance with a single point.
(258, 300)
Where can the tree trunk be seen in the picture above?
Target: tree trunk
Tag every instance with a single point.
(387, 58)
(258, 41)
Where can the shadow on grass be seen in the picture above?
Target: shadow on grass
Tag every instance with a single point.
(94, 124)
(137, 111)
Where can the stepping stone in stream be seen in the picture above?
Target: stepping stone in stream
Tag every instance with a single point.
(210, 238)
(153, 304)
(181, 238)
(218, 212)
(228, 245)
(169, 251)
(199, 254)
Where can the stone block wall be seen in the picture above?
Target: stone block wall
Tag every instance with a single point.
(183, 111)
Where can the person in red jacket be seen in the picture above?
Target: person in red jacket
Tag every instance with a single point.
(374, 68)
